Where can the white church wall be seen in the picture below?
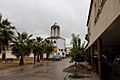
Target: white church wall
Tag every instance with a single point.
(61, 43)
(45, 56)
(61, 47)
(9, 55)
(31, 55)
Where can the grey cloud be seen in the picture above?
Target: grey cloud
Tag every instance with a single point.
(37, 16)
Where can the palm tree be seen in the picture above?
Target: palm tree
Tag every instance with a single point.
(35, 50)
(48, 46)
(77, 52)
(21, 46)
(6, 34)
(38, 48)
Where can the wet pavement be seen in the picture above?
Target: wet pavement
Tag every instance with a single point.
(47, 70)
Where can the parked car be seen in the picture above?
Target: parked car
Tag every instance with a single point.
(57, 58)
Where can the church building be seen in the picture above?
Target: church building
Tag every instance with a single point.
(58, 41)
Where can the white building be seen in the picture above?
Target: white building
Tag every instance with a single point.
(8, 54)
(68, 49)
(58, 41)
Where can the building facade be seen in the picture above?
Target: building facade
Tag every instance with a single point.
(103, 34)
(58, 42)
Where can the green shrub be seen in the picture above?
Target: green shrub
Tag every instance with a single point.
(75, 75)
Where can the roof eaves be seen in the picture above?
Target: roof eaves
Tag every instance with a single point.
(89, 12)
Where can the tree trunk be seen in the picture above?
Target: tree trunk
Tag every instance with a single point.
(34, 58)
(21, 60)
(47, 56)
(41, 56)
(0, 50)
(38, 58)
(3, 54)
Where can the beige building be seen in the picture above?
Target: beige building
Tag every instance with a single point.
(103, 32)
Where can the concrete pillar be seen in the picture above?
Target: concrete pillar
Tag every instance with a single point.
(99, 46)
(92, 51)
(86, 56)
(89, 56)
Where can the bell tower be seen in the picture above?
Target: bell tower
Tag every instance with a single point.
(55, 30)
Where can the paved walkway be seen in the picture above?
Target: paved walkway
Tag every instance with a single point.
(44, 71)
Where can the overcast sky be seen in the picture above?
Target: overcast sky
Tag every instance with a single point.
(37, 16)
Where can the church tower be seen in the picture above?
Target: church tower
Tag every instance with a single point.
(58, 41)
(55, 30)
